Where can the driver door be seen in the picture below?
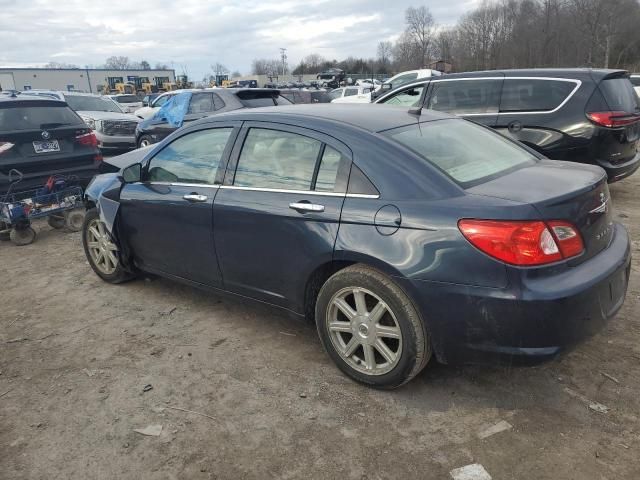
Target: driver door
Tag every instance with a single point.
(167, 217)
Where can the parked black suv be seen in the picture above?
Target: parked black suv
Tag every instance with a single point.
(41, 137)
(206, 102)
(581, 115)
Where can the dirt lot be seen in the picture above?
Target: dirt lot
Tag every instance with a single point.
(76, 354)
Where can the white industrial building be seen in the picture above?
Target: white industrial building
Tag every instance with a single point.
(91, 80)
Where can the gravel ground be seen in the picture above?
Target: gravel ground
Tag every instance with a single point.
(245, 392)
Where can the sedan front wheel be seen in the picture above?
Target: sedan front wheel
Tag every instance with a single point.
(370, 328)
(102, 250)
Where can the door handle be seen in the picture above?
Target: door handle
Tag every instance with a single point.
(306, 207)
(194, 197)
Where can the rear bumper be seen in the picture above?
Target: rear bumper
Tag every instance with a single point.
(534, 319)
(617, 172)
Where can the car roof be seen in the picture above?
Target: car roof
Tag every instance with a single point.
(355, 115)
(31, 98)
(595, 73)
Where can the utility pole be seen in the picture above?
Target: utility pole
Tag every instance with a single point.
(283, 57)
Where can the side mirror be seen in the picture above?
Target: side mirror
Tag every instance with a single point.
(133, 173)
(386, 86)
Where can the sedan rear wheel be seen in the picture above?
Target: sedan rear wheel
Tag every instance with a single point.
(370, 328)
(364, 330)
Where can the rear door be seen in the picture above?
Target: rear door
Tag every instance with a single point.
(277, 215)
(477, 99)
(168, 216)
(41, 138)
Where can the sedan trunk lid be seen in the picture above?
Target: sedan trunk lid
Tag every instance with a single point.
(561, 191)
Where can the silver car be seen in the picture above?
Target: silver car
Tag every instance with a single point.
(114, 128)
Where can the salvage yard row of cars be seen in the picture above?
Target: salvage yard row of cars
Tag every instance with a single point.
(405, 232)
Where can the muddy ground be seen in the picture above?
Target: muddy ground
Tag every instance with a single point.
(76, 355)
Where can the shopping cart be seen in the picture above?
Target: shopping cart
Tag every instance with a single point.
(59, 200)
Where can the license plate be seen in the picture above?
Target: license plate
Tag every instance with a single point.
(45, 147)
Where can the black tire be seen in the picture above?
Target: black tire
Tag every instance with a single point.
(145, 139)
(56, 221)
(22, 236)
(74, 219)
(414, 346)
(119, 275)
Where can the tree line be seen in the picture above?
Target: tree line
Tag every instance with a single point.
(115, 63)
(501, 34)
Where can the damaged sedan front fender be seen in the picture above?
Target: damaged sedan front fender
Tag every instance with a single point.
(104, 193)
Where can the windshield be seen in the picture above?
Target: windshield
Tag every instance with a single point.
(466, 152)
(81, 103)
(127, 99)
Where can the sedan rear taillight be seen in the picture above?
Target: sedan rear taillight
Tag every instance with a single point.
(524, 243)
(87, 139)
(612, 119)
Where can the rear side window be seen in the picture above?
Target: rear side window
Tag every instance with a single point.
(21, 117)
(466, 152)
(466, 96)
(349, 92)
(635, 81)
(620, 95)
(534, 95)
(192, 158)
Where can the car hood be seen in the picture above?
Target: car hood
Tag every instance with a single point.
(129, 158)
(97, 115)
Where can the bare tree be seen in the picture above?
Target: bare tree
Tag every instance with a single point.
(117, 63)
(420, 29)
(60, 65)
(385, 51)
(265, 66)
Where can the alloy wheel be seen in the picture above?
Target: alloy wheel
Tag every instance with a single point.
(102, 250)
(364, 331)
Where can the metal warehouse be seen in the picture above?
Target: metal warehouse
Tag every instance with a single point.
(93, 80)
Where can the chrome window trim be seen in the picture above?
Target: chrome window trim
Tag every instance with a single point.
(525, 112)
(180, 184)
(301, 192)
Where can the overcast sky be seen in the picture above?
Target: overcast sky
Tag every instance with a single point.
(194, 34)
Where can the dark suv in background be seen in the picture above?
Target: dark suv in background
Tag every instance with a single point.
(206, 102)
(581, 115)
(41, 137)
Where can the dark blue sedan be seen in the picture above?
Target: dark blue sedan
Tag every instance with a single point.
(404, 234)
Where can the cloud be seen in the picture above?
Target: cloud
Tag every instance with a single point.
(193, 34)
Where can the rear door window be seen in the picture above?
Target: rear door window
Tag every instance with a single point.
(201, 103)
(620, 95)
(274, 159)
(534, 94)
(277, 159)
(36, 117)
(192, 158)
(466, 96)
